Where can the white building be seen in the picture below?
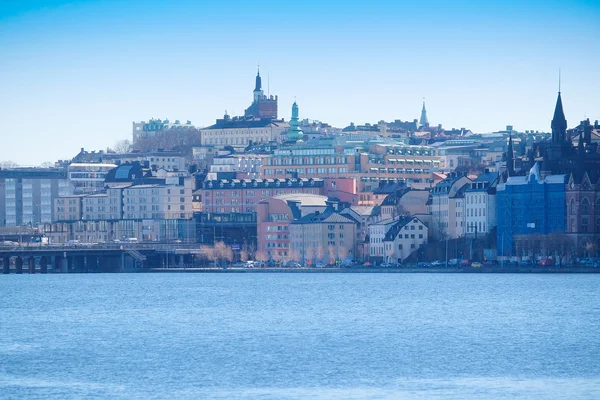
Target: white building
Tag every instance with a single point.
(377, 233)
(448, 207)
(240, 132)
(406, 236)
(480, 205)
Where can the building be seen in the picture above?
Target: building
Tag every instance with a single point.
(447, 207)
(88, 178)
(376, 238)
(273, 218)
(529, 207)
(156, 128)
(326, 236)
(244, 165)
(135, 204)
(480, 204)
(239, 132)
(404, 237)
(262, 107)
(27, 195)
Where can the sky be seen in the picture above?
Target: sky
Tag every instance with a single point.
(76, 74)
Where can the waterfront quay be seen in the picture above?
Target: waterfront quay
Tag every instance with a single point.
(93, 258)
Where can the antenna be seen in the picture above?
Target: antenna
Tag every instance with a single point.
(559, 80)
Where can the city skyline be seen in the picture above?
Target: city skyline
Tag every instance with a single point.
(79, 72)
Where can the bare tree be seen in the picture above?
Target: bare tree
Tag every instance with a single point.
(8, 164)
(47, 164)
(223, 253)
(122, 146)
(561, 244)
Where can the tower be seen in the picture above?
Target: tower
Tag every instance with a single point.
(559, 123)
(294, 133)
(258, 92)
(423, 121)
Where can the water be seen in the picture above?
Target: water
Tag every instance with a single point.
(300, 336)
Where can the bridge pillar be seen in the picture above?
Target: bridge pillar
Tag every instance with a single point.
(66, 264)
(91, 263)
(19, 265)
(180, 260)
(79, 263)
(57, 266)
(43, 265)
(6, 265)
(122, 261)
(32, 265)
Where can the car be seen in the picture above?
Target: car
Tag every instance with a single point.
(546, 262)
(438, 263)
(386, 265)
(319, 265)
(423, 264)
(476, 264)
(465, 263)
(490, 263)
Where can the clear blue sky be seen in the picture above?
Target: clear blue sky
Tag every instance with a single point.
(77, 73)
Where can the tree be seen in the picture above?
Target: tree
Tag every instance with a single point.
(47, 164)
(561, 244)
(8, 164)
(122, 146)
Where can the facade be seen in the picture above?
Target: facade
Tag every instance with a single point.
(377, 235)
(28, 195)
(155, 128)
(242, 195)
(243, 165)
(405, 236)
(88, 178)
(583, 213)
(480, 204)
(134, 205)
(528, 207)
(447, 207)
(240, 133)
(273, 218)
(323, 237)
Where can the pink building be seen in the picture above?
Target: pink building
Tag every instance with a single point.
(242, 195)
(273, 218)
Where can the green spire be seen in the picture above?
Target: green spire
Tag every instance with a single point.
(294, 133)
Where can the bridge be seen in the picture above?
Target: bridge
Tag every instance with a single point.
(92, 258)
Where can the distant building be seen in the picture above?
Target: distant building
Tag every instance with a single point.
(156, 128)
(480, 204)
(240, 133)
(403, 238)
(262, 107)
(324, 236)
(27, 195)
(274, 216)
(447, 207)
(528, 206)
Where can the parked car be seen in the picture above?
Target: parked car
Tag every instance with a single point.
(465, 263)
(546, 262)
(476, 264)
(438, 263)
(387, 265)
(490, 263)
(423, 264)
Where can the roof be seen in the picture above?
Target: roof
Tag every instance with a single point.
(245, 123)
(305, 199)
(401, 223)
(327, 216)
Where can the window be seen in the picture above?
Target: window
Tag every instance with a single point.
(572, 206)
(585, 206)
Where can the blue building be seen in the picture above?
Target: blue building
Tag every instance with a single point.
(529, 206)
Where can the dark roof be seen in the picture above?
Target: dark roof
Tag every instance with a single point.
(262, 183)
(327, 216)
(397, 227)
(127, 173)
(227, 123)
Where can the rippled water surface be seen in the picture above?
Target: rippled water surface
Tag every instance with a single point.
(300, 336)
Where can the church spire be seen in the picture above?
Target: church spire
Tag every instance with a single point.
(258, 86)
(423, 121)
(559, 122)
(510, 163)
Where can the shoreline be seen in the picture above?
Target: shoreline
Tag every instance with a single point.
(540, 270)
